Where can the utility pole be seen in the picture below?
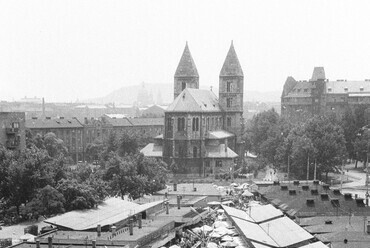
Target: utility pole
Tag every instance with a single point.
(308, 166)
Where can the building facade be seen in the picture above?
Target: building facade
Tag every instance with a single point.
(319, 96)
(77, 134)
(12, 130)
(203, 132)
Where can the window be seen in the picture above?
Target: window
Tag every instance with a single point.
(195, 124)
(195, 152)
(229, 102)
(228, 88)
(329, 89)
(298, 90)
(15, 125)
(345, 89)
(181, 124)
(207, 123)
(218, 163)
(183, 85)
(229, 121)
(361, 88)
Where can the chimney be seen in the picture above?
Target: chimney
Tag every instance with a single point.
(178, 202)
(37, 240)
(34, 117)
(93, 243)
(174, 186)
(140, 222)
(99, 230)
(50, 242)
(43, 106)
(114, 228)
(61, 117)
(295, 182)
(284, 187)
(48, 118)
(131, 226)
(167, 209)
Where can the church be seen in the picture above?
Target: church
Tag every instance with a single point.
(203, 132)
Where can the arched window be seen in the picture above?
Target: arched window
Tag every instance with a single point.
(195, 124)
(195, 152)
(181, 124)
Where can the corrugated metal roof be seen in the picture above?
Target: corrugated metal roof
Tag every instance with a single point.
(220, 152)
(52, 123)
(109, 212)
(195, 100)
(285, 231)
(152, 150)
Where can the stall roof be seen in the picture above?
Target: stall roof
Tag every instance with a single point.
(256, 214)
(317, 244)
(278, 229)
(109, 212)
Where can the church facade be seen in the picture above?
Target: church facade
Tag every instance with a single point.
(202, 131)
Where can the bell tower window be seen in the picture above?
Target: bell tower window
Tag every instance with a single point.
(229, 121)
(183, 85)
(229, 102)
(228, 86)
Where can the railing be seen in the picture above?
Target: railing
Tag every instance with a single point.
(11, 130)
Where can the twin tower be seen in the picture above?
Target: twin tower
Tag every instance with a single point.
(231, 82)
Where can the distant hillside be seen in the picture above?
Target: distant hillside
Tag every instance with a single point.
(128, 94)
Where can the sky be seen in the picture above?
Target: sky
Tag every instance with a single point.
(79, 49)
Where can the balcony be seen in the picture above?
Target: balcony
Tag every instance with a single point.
(11, 130)
(12, 144)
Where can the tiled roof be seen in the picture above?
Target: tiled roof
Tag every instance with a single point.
(343, 87)
(147, 121)
(152, 150)
(195, 100)
(52, 123)
(220, 152)
(318, 74)
(186, 67)
(119, 122)
(301, 89)
(231, 65)
(321, 205)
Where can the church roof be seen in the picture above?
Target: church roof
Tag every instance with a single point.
(186, 67)
(220, 151)
(231, 65)
(195, 100)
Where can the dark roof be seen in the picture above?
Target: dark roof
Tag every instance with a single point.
(321, 205)
(147, 121)
(301, 89)
(231, 65)
(52, 123)
(195, 100)
(119, 122)
(318, 74)
(186, 67)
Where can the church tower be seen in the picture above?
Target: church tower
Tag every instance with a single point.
(186, 75)
(231, 88)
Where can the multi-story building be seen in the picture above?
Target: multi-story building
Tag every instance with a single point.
(78, 134)
(69, 130)
(321, 96)
(202, 132)
(12, 130)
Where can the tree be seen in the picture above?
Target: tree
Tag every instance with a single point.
(127, 144)
(54, 146)
(48, 201)
(77, 195)
(94, 150)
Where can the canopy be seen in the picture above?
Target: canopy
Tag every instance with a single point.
(247, 193)
(214, 203)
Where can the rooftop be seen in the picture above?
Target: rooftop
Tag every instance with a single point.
(186, 67)
(110, 211)
(220, 151)
(152, 150)
(195, 100)
(231, 66)
(53, 123)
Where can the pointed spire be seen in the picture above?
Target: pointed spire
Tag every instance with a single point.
(231, 65)
(186, 67)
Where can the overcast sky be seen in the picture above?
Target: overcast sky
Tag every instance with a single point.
(68, 50)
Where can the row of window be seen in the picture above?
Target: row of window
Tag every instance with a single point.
(211, 122)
